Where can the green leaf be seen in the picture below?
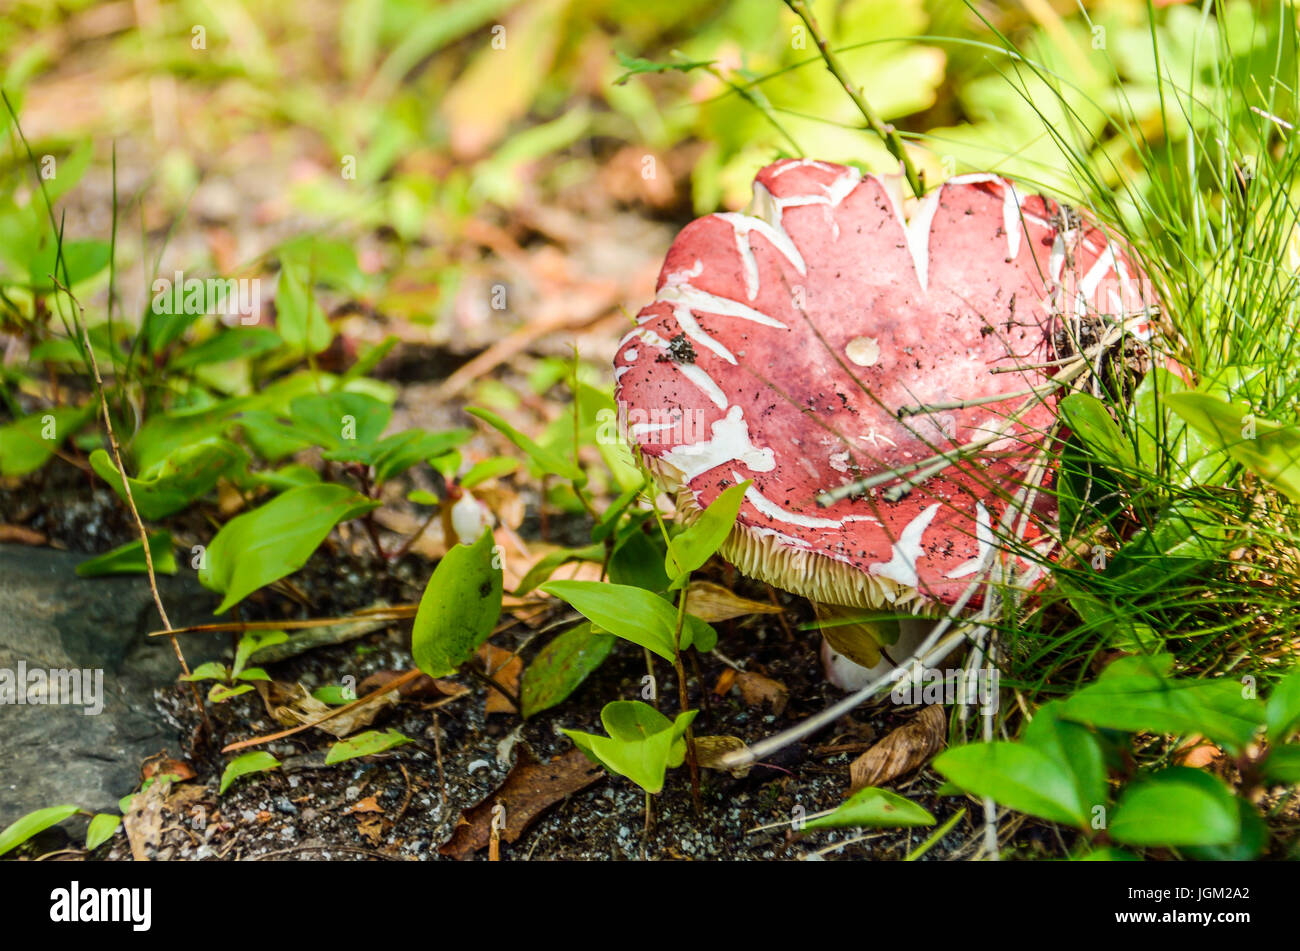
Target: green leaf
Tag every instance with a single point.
(212, 670)
(271, 438)
(633, 614)
(83, 260)
(234, 343)
(1165, 442)
(1138, 702)
(691, 548)
(874, 808)
(334, 695)
(1177, 806)
(328, 261)
(33, 823)
(1074, 748)
(346, 425)
(264, 545)
(1282, 712)
(609, 518)
(459, 609)
(1273, 453)
(286, 477)
(1089, 419)
(1019, 776)
(561, 666)
(220, 693)
(1283, 765)
(397, 453)
(638, 560)
(27, 443)
(186, 474)
(642, 742)
(1251, 840)
(492, 468)
(256, 762)
(102, 828)
(251, 643)
(365, 744)
(128, 559)
(546, 460)
(299, 317)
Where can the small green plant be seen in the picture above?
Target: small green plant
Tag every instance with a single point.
(642, 743)
(234, 681)
(1073, 751)
(102, 827)
(246, 765)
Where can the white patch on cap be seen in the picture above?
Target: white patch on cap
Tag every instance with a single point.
(902, 566)
(683, 276)
(1092, 280)
(918, 237)
(694, 373)
(686, 321)
(630, 354)
(698, 300)
(730, 443)
(769, 508)
(640, 429)
(864, 351)
(1056, 259)
(742, 225)
(1011, 219)
(800, 163)
(984, 537)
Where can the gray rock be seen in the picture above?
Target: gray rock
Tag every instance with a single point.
(52, 620)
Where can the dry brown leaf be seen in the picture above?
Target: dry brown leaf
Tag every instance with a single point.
(726, 680)
(506, 668)
(530, 789)
(372, 827)
(304, 708)
(1197, 752)
(143, 821)
(166, 766)
(369, 804)
(710, 749)
(423, 687)
(902, 750)
(758, 691)
(712, 602)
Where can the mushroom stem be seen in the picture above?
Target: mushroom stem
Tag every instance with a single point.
(929, 653)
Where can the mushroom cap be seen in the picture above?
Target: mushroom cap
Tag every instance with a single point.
(783, 342)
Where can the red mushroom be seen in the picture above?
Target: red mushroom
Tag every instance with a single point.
(886, 383)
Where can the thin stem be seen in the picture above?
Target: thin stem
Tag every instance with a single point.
(759, 102)
(496, 685)
(886, 131)
(130, 501)
(691, 760)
